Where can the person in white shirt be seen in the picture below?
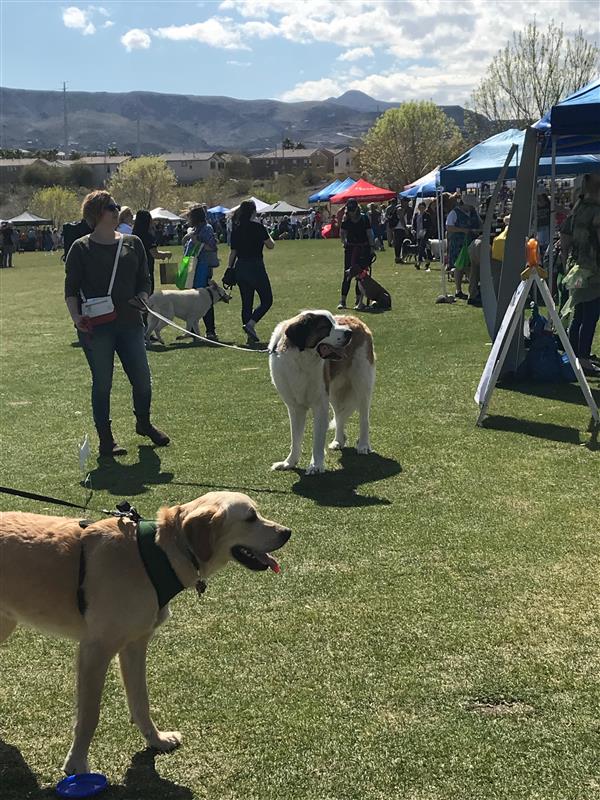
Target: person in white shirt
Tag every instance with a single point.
(125, 220)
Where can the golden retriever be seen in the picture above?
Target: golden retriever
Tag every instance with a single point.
(92, 585)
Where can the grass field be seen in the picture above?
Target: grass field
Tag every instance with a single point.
(435, 634)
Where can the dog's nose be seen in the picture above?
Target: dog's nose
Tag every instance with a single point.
(285, 534)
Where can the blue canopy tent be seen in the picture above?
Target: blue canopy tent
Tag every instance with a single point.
(484, 162)
(218, 210)
(423, 187)
(328, 190)
(575, 122)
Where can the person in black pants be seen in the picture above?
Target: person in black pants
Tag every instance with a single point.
(248, 237)
(357, 239)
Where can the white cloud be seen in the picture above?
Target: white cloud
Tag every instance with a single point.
(235, 63)
(212, 32)
(356, 54)
(314, 90)
(108, 24)
(77, 18)
(135, 39)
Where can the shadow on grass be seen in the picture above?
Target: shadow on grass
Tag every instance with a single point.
(565, 392)
(339, 488)
(222, 487)
(130, 479)
(141, 779)
(539, 430)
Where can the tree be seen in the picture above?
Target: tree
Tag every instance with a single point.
(407, 142)
(78, 174)
(40, 174)
(532, 73)
(56, 203)
(238, 166)
(144, 183)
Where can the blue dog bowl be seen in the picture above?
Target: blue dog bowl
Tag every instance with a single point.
(85, 785)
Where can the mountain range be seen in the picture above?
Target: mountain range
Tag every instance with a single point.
(34, 119)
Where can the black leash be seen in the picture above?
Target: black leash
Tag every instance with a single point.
(41, 497)
(122, 509)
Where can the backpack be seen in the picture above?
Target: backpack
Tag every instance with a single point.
(392, 217)
(71, 231)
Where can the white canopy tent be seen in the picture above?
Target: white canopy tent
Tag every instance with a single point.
(281, 207)
(165, 215)
(260, 206)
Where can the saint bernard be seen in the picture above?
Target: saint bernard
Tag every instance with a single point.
(317, 359)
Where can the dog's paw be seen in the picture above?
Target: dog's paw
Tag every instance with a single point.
(314, 469)
(75, 766)
(282, 465)
(165, 741)
(363, 449)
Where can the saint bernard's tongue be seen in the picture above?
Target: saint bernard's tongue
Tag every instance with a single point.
(327, 351)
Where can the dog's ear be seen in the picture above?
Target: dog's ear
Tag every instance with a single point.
(299, 331)
(200, 529)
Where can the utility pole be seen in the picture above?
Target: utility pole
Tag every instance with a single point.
(66, 127)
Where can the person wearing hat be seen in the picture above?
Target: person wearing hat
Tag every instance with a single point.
(357, 240)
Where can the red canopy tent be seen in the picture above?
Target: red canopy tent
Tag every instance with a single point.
(363, 191)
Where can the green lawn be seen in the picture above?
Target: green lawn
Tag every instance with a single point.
(435, 633)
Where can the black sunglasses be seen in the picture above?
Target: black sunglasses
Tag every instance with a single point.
(113, 207)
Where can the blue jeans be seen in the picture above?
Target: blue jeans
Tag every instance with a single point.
(127, 341)
(252, 277)
(583, 327)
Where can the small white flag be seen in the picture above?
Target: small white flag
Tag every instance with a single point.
(84, 453)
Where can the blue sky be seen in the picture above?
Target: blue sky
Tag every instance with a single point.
(305, 50)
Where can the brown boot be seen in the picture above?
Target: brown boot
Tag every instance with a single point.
(145, 428)
(108, 446)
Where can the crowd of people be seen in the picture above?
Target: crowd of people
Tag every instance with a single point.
(114, 263)
(20, 239)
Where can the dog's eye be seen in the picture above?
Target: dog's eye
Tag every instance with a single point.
(251, 516)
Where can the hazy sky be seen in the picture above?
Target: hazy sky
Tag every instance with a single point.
(306, 50)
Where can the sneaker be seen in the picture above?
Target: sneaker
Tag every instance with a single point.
(427, 268)
(417, 266)
(212, 337)
(461, 296)
(341, 305)
(359, 307)
(251, 333)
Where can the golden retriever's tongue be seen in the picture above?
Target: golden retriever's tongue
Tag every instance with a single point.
(272, 563)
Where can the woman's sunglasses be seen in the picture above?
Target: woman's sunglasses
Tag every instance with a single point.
(112, 207)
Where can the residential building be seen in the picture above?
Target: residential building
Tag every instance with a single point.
(319, 160)
(192, 167)
(345, 163)
(11, 169)
(103, 167)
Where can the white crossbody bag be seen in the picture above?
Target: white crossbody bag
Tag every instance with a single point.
(101, 309)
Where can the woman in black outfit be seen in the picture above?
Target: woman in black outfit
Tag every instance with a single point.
(248, 237)
(143, 228)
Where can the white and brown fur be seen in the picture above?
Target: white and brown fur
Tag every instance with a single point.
(306, 381)
(188, 304)
(40, 563)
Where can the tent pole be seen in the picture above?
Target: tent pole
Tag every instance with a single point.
(440, 221)
(552, 217)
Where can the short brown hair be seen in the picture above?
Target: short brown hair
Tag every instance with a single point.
(94, 205)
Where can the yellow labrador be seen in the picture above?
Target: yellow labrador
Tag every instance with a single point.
(108, 586)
